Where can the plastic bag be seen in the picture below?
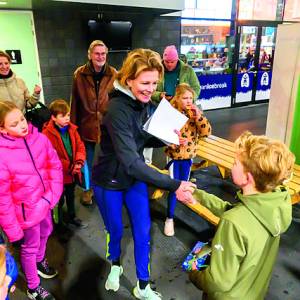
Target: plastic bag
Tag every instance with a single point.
(197, 257)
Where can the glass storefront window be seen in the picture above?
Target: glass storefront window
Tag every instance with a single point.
(208, 48)
(292, 10)
(205, 45)
(260, 10)
(209, 9)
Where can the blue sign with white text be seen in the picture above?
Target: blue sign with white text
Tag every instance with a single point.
(215, 90)
(215, 85)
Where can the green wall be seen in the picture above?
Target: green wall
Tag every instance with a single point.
(17, 33)
(295, 137)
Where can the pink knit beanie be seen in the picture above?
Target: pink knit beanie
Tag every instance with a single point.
(170, 53)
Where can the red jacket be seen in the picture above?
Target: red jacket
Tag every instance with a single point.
(78, 149)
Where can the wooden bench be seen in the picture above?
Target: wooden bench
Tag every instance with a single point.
(221, 152)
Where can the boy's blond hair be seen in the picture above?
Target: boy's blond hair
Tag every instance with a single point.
(59, 106)
(269, 161)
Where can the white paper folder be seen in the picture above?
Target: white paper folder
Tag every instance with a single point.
(163, 123)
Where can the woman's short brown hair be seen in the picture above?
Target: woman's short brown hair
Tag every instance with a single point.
(138, 61)
(269, 161)
(5, 54)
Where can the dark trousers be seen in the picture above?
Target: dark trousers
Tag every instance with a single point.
(69, 195)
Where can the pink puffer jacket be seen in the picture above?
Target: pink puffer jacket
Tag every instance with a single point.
(31, 181)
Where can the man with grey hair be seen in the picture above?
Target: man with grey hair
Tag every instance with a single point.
(91, 84)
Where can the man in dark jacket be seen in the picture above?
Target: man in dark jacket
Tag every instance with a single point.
(91, 84)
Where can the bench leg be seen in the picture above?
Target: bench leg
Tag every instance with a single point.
(295, 198)
(202, 164)
(222, 171)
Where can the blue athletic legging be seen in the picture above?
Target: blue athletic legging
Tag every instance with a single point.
(181, 171)
(110, 204)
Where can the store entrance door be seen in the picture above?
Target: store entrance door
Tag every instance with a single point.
(253, 64)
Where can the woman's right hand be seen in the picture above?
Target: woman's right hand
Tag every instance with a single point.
(185, 192)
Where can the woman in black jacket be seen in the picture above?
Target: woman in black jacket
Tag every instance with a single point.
(120, 174)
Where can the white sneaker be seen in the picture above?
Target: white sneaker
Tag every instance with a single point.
(146, 294)
(113, 279)
(169, 227)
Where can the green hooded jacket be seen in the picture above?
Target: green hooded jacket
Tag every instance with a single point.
(186, 75)
(245, 245)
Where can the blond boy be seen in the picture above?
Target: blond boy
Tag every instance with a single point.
(246, 243)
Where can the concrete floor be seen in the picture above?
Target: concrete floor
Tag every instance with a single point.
(79, 255)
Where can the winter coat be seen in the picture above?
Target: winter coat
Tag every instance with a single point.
(245, 246)
(120, 161)
(78, 149)
(87, 108)
(192, 130)
(31, 181)
(14, 89)
(186, 75)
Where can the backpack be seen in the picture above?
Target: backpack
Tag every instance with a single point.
(38, 115)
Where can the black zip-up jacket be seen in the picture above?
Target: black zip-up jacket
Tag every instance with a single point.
(120, 161)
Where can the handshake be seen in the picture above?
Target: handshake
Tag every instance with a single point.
(185, 192)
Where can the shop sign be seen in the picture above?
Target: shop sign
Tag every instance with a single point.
(215, 90)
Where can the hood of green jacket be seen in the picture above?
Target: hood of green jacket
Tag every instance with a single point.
(273, 210)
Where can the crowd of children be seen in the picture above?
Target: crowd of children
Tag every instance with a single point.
(39, 171)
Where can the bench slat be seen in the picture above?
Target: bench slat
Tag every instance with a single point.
(221, 140)
(206, 147)
(204, 212)
(208, 141)
(294, 186)
(215, 159)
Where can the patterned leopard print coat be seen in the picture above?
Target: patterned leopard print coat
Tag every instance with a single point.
(192, 130)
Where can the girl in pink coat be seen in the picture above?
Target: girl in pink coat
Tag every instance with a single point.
(31, 183)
